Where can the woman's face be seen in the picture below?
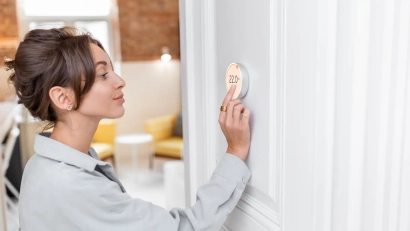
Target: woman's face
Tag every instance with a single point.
(105, 98)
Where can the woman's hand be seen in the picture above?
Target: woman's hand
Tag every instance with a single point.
(235, 125)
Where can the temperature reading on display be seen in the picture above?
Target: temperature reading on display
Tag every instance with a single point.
(233, 79)
(237, 75)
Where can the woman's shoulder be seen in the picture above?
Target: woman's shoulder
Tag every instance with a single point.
(42, 173)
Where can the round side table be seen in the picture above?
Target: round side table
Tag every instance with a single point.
(134, 140)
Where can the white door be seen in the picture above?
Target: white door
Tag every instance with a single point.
(329, 96)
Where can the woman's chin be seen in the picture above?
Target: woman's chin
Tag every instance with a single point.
(118, 114)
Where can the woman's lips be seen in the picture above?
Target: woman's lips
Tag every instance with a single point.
(120, 98)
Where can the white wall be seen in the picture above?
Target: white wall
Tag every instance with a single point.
(342, 146)
(153, 88)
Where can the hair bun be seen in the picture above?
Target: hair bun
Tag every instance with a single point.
(9, 63)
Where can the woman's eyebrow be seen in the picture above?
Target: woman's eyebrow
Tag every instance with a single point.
(100, 62)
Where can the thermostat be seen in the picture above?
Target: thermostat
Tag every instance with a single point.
(236, 74)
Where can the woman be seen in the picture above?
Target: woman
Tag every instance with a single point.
(65, 77)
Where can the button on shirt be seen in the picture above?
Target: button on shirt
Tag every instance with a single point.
(61, 190)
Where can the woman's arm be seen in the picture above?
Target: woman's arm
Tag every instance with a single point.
(216, 199)
(99, 204)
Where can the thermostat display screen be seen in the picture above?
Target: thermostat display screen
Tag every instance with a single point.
(236, 74)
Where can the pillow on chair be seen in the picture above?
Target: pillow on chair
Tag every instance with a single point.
(178, 126)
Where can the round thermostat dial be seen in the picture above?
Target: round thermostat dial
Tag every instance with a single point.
(236, 74)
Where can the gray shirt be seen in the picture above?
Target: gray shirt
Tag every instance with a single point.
(61, 190)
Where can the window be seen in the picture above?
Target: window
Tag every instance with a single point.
(99, 29)
(45, 25)
(94, 16)
(67, 8)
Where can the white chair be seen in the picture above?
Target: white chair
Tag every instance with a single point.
(9, 130)
(7, 150)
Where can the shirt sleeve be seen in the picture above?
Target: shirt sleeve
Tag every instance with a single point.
(110, 209)
(217, 198)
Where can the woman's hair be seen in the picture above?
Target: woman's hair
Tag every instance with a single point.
(48, 58)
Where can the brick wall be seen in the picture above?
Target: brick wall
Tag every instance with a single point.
(146, 26)
(8, 29)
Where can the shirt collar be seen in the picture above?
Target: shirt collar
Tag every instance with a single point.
(55, 150)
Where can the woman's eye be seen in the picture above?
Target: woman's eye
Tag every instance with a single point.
(104, 75)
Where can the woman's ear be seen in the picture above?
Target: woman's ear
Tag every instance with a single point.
(61, 97)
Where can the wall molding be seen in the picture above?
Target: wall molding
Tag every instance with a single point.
(259, 211)
(398, 24)
(191, 110)
(208, 62)
(324, 118)
(276, 54)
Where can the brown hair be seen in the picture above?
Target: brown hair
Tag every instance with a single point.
(48, 58)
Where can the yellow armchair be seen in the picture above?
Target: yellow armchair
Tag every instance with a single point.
(166, 143)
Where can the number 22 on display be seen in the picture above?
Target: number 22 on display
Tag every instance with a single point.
(233, 79)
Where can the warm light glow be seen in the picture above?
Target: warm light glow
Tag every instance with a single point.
(166, 57)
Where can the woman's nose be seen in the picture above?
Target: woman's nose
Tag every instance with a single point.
(121, 83)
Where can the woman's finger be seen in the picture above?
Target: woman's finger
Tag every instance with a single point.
(237, 113)
(229, 111)
(228, 97)
(245, 117)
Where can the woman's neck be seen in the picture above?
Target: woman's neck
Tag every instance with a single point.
(76, 135)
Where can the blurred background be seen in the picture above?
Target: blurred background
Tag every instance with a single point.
(142, 39)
